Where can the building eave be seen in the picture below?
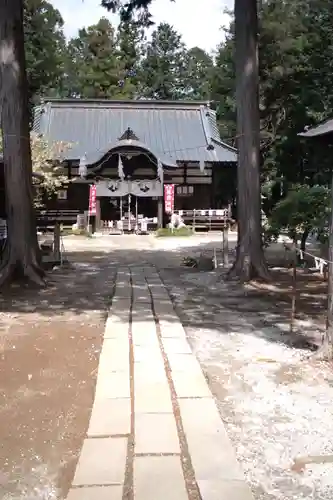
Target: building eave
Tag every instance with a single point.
(321, 129)
(125, 146)
(131, 103)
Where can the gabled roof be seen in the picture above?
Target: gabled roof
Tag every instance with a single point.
(323, 128)
(179, 131)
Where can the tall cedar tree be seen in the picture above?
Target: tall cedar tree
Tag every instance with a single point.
(22, 252)
(198, 77)
(130, 39)
(164, 65)
(45, 49)
(250, 262)
(95, 66)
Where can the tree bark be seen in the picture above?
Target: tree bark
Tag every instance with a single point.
(304, 238)
(327, 348)
(325, 351)
(250, 260)
(22, 257)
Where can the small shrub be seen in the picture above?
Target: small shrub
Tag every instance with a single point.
(189, 262)
(81, 232)
(167, 232)
(303, 211)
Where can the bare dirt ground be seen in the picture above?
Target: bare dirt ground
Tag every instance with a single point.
(311, 295)
(49, 348)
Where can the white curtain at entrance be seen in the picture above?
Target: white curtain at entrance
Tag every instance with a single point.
(112, 188)
(119, 188)
(146, 188)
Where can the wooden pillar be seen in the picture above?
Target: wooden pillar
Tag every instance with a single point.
(56, 242)
(69, 170)
(160, 211)
(185, 174)
(98, 214)
(213, 187)
(225, 244)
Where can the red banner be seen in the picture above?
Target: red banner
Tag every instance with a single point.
(169, 198)
(92, 200)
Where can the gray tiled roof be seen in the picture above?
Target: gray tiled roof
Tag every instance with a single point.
(321, 129)
(175, 131)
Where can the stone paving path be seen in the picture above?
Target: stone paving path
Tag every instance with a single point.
(155, 432)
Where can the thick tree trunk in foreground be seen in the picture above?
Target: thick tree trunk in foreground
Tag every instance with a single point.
(21, 258)
(250, 260)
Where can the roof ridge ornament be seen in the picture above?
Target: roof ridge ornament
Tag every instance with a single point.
(128, 135)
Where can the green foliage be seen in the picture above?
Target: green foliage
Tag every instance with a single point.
(304, 210)
(98, 62)
(130, 9)
(95, 66)
(189, 262)
(130, 50)
(296, 82)
(80, 232)
(223, 87)
(47, 165)
(106, 63)
(164, 65)
(199, 71)
(45, 49)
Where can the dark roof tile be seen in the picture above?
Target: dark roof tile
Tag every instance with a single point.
(182, 131)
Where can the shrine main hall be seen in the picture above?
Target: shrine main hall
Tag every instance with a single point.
(131, 149)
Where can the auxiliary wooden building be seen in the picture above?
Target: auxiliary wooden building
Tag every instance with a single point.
(130, 149)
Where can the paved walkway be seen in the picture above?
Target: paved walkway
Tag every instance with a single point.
(155, 432)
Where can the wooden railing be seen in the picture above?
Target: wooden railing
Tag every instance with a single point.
(45, 217)
(207, 219)
(142, 225)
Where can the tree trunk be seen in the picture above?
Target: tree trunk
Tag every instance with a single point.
(325, 352)
(22, 257)
(250, 260)
(327, 348)
(304, 238)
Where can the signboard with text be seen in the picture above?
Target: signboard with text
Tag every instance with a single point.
(92, 200)
(169, 198)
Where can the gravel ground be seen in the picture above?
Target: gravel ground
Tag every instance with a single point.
(277, 406)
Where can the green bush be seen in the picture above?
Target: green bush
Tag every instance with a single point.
(304, 210)
(167, 232)
(81, 232)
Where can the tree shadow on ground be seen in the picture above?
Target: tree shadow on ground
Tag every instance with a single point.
(229, 307)
(203, 300)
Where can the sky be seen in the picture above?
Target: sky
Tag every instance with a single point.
(198, 22)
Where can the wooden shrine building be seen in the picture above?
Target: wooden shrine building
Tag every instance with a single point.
(130, 149)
